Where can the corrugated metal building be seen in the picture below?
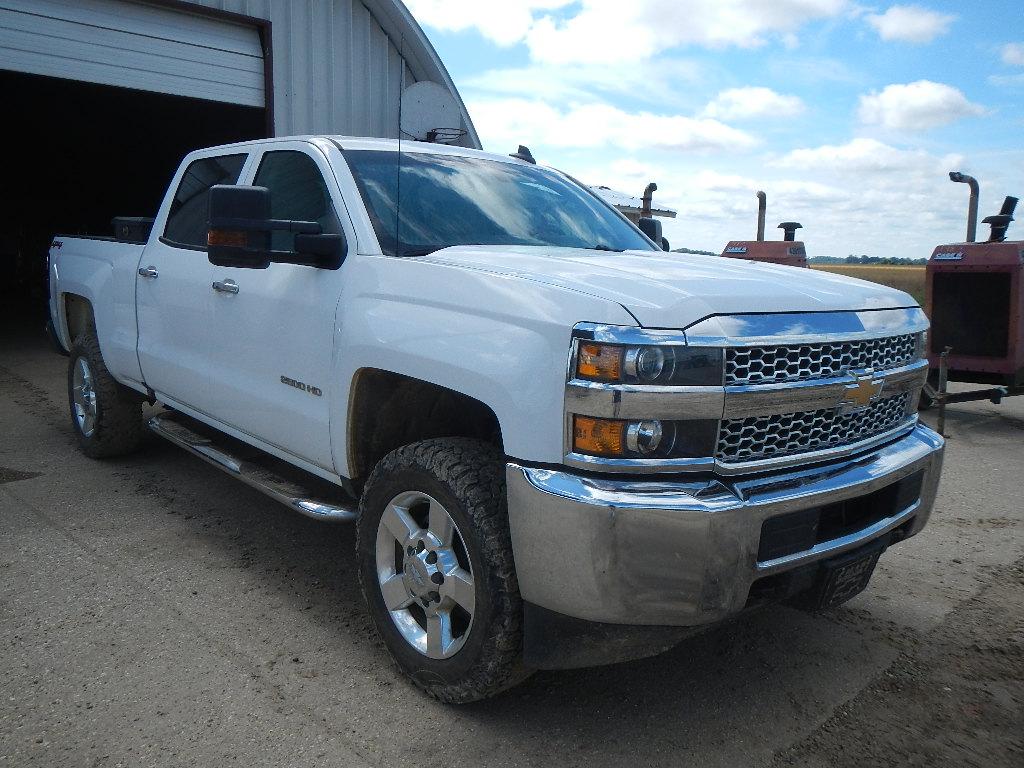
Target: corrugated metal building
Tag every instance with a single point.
(102, 98)
(316, 66)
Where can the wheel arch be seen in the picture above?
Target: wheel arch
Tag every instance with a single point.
(387, 410)
(78, 317)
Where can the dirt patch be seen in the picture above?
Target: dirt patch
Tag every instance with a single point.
(8, 475)
(956, 698)
(31, 398)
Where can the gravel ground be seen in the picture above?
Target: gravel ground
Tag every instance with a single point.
(153, 612)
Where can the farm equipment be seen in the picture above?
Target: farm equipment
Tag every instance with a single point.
(974, 299)
(788, 251)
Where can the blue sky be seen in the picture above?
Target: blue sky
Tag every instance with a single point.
(848, 115)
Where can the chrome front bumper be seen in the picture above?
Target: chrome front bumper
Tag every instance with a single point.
(685, 553)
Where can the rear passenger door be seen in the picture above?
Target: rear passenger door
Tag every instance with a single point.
(274, 342)
(172, 291)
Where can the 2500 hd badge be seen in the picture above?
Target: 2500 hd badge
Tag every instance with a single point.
(304, 387)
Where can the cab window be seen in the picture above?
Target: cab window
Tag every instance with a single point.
(297, 192)
(187, 219)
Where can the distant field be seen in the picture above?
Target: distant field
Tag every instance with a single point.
(909, 279)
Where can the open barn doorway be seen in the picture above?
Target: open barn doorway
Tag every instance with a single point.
(77, 154)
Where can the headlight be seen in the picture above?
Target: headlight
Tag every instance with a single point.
(643, 438)
(673, 365)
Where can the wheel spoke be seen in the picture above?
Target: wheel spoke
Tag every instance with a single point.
(440, 524)
(87, 422)
(458, 585)
(398, 521)
(439, 634)
(396, 596)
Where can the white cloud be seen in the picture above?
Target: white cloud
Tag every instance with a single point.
(1013, 54)
(595, 31)
(910, 23)
(504, 22)
(847, 196)
(508, 122)
(585, 82)
(916, 106)
(610, 30)
(752, 102)
(852, 197)
(863, 155)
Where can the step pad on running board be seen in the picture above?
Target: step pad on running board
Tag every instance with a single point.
(245, 463)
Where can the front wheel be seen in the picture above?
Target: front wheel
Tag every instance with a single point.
(436, 568)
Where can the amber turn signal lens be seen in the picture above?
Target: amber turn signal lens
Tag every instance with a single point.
(227, 237)
(599, 361)
(598, 437)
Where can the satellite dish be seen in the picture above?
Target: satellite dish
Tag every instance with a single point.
(431, 113)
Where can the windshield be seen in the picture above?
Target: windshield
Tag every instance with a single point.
(451, 200)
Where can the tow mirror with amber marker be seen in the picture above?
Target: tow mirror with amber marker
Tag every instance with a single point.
(238, 232)
(239, 229)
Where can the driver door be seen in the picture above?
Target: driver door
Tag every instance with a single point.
(273, 328)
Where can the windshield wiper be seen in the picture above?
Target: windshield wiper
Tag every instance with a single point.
(603, 247)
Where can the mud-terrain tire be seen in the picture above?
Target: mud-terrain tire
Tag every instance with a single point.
(106, 416)
(415, 486)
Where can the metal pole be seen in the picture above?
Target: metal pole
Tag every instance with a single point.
(943, 378)
(762, 205)
(972, 205)
(645, 201)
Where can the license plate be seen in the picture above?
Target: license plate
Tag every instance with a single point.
(847, 578)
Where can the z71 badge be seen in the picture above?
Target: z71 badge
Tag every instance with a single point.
(300, 385)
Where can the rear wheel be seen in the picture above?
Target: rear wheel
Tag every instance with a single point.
(106, 416)
(437, 571)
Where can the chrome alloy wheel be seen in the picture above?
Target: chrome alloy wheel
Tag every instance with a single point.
(425, 575)
(83, 397)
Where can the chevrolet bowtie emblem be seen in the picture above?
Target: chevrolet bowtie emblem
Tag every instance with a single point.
(861, 392)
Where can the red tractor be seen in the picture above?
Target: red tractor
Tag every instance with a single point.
(974, 299)
(788, 251)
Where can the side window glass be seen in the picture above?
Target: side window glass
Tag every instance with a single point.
(186, 221)
(297, 192)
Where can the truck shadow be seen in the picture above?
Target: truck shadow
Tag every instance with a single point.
(742, 688)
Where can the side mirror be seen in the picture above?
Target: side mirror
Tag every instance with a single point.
(664, 245)
(238, 235)
(652, 228)
(323, 251)
(240, 227)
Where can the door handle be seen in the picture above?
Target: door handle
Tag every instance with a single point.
(226, 286)
(149, 271)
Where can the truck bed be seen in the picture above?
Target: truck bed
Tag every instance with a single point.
(101, 271)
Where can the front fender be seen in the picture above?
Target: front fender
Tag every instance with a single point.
(501, 340)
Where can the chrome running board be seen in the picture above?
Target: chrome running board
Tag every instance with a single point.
(292, 494)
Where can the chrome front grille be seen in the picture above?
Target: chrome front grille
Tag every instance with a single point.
(766, 437)
(779, 364)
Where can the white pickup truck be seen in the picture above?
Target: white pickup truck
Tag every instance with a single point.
(562, 446)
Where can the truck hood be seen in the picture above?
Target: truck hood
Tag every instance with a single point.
(674, 290)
